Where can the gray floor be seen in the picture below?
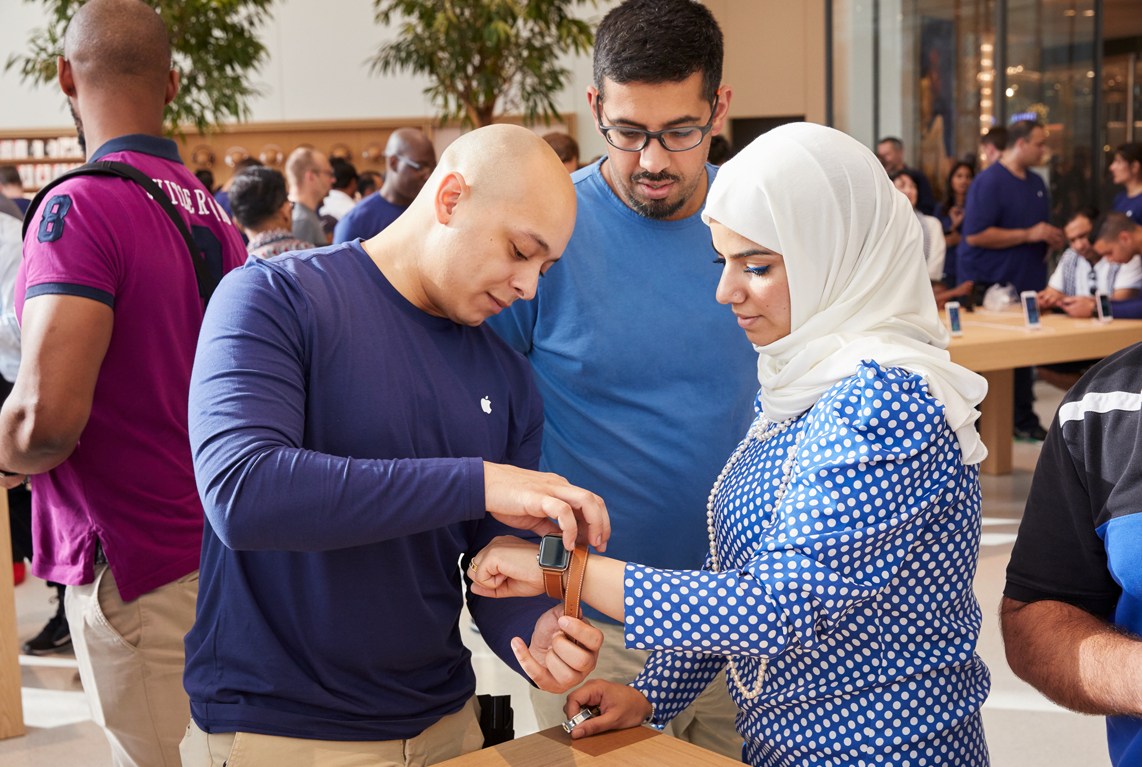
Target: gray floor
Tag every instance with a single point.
(1022, 727)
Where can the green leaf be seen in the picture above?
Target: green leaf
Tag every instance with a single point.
(483, 55)
(215, 48)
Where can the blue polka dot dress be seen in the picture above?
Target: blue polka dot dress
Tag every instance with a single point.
(852, 599)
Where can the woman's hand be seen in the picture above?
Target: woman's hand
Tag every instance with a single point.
(507, 567)
(620, 707)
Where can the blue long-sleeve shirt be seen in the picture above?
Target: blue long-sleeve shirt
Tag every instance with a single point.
(338, 435)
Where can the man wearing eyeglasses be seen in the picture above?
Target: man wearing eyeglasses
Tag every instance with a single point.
(410, 159)
(310, 178)
(643, 378)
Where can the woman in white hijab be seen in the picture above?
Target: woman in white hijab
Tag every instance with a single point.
(844, 529)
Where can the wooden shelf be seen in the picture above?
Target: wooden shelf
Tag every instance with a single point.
(43, 153)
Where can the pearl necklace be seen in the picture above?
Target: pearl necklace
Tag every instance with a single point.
(762, 430)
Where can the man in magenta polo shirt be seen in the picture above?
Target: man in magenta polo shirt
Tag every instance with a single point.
(110, 314)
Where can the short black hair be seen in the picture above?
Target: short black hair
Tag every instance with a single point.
(720, 150)
(1089, 212)
(659, 41)
(1131, 152)
(996, 137)
(897, 144)
(10, 174)
(1113, 224)
(206, 176)
(344, 173)
(256, 194)
(1021, 130)
(368, 181)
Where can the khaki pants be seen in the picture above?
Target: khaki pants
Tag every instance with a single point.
(131, 660)
(454, 735)
(707, 722)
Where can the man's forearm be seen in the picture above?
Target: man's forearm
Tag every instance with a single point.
(1074, 658)
(996, 238)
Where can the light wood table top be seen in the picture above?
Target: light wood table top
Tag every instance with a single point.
(995, 343)
(636, 747)
(1001, 340)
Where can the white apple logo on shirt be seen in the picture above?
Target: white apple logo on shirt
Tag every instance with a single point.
(486, 405)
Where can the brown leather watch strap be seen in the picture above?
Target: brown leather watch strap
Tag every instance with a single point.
(575, 573)
(553, 583)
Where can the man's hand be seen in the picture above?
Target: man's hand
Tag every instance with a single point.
(1078, 306)
(563, 651)
(1049, 298)
(1044, 232)
(545, 503)
(620, 707)
(507, 567)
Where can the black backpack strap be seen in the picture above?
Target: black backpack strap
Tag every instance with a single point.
(206, 282)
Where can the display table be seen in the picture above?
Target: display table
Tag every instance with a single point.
(995, 343)
(636, 747)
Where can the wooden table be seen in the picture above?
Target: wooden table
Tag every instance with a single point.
(995, 343)
(637, 747)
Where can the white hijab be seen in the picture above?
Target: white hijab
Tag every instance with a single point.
(858, 283)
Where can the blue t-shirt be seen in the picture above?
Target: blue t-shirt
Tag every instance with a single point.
(999, 198)
(366, 218)
(338, 435)
(1131, 206)
(647, 381)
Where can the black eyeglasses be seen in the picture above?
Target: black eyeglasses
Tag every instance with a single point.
(418, 166)
(680, 139)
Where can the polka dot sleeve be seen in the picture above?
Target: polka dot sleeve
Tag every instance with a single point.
(870, 549)
(868, 479)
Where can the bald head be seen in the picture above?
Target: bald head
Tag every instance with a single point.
(408, 140)
(119, 43)
(509, 163)
(495, 214)
(409, 159)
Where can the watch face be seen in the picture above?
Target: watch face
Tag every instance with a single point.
(552, 554)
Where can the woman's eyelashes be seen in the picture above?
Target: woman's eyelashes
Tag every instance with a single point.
(756, 271)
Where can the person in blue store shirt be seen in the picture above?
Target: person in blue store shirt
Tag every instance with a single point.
(371, 434)
(843, 531)
(1006, 238)
(1126, 170)
(634, 388)
(409, 160)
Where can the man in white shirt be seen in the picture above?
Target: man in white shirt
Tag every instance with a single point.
(1082, 272)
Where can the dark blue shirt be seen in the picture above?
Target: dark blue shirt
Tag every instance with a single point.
(1131, 206)
(338, 435)
(998, 198)
(366, 218)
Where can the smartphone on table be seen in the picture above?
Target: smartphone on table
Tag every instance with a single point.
(1030, 301)
(953, 310)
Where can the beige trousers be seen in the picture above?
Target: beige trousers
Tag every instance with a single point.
(454, 735)
(707, 722)
(131, 660)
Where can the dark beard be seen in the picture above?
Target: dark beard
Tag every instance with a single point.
(656, 209)
(78, 128)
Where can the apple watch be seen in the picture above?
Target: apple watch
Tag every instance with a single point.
(554, 559)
